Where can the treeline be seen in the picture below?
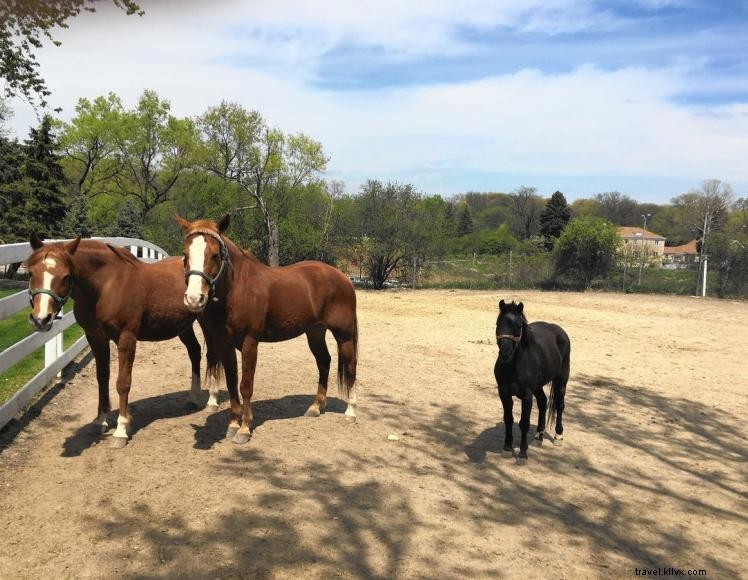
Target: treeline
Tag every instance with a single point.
(111, 170)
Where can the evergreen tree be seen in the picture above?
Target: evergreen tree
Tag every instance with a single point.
(554, 218)
(465, 225)
(32, 182)
(76, 219)
(128, 222)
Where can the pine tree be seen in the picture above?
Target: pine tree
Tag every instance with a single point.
(465, 224)
(554, 218)
(31, 183)
(76, 219)
(129, 224)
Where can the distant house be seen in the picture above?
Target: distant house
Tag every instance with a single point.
(638, 240)
(677, 257)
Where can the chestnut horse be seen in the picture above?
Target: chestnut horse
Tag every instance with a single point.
(117, 297)
(258, 303)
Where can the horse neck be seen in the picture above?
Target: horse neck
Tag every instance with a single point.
(92, 267)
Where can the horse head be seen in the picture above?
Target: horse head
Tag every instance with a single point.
(205, 259)
(510, 329)
(51, 271)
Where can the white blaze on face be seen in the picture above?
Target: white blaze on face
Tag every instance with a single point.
(44, 305)
(196, 253)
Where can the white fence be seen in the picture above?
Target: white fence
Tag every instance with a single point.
(55, 358)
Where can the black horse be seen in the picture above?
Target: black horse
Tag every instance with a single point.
(530, 356)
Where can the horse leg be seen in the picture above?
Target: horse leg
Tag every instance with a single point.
(507, 403)
(347, 363)
(542, 400)
(189, 340)
(524, 427)
(212, 378)
(316, 339)
(126, 354)
(249, 363)
(100, 349)
(559, 393)
(231, 374)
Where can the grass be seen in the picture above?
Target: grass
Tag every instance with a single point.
(13, 329)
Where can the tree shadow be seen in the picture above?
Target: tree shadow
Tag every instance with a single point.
(362, 529)
(288, 407)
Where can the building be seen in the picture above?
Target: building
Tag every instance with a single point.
(638, 241)
(677, 257)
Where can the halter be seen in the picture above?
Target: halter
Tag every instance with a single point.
(59, 300)
(510, 336)
(224, 253)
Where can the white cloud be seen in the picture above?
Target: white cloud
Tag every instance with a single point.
(586, 121)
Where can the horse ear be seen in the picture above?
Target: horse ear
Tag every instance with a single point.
(224, 223)
(35, 241)
(72, 246)
(520, 306)
(502, 305)
(182, 222)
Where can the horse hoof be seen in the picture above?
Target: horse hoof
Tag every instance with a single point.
(558, 440)
(312, 412)
(521, 460)
(118, 442)
(507, 453)
(350, 418)
(231, 431)
(240, 438)
(211, 408)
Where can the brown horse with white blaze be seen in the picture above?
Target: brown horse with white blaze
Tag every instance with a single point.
(258, 303)
(119, 298)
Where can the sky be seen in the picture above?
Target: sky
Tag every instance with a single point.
(646, 97)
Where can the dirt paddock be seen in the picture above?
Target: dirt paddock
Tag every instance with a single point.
(653, 471)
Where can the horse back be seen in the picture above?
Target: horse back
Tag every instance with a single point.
(553, 346)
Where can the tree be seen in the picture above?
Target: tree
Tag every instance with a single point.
(585, 250)
(90, 143)
(11, 200)
(24, 25)
(465, 222)
(154, 148)
(554, 218)
(385, 218)
(527, 204)
(76, 222)
(617, 208)
(705, 209)
(271, 167)
(129, 224)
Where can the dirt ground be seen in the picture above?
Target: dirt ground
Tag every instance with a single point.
(653, 472)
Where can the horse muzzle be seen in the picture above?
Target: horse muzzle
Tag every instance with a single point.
(43, 324)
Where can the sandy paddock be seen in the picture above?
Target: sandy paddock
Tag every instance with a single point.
(652, 473)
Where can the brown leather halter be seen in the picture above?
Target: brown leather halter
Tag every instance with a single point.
(510, 336)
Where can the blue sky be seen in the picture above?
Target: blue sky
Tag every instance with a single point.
(647, 97)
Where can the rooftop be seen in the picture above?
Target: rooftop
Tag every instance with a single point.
(638, 233)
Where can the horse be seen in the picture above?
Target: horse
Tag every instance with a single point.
(258, 303)
(530, 356)
(119, 298)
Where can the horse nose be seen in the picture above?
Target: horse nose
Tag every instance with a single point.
(41, 324)
(193, 303)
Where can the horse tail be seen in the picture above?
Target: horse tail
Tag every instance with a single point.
(550, 421)
(346, 378)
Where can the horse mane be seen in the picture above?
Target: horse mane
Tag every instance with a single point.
(123, 254)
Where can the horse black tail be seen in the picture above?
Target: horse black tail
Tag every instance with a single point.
(550, 420)
(346, 380)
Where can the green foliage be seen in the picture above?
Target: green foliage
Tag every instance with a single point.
(586, 250)
(24, 25)
(128, 224)
(498, 241)
(31, 183)
(554, 218)
(465, 221)
(76, 222)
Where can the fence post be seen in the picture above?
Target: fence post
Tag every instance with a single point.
(53, 349)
